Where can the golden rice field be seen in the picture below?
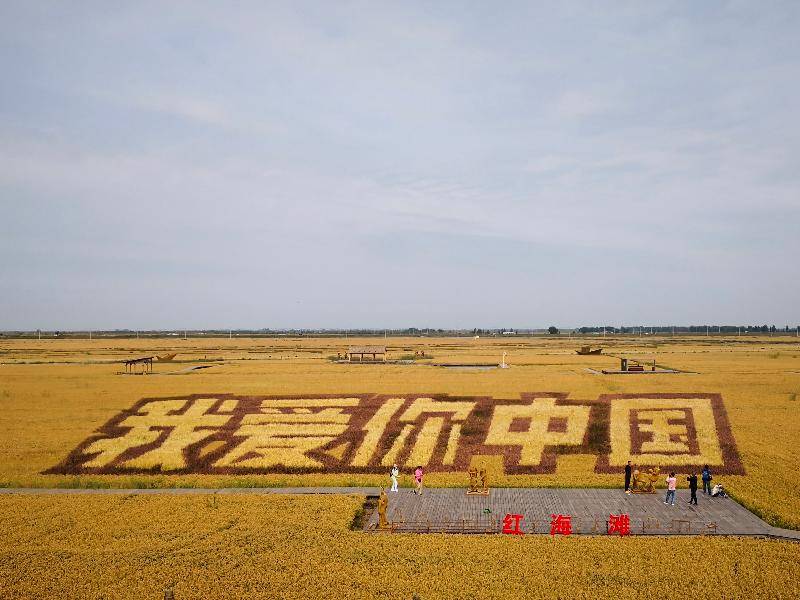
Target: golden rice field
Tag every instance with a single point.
(290, 547)
(55, 394)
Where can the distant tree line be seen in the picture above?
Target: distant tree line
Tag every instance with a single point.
(409, 331)
(686, 329)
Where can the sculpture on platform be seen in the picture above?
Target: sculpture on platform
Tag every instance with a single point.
(473, 481)
(645, 482)
(383, 506)
(478, 482)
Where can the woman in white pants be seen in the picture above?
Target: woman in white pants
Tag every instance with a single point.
(394, 473)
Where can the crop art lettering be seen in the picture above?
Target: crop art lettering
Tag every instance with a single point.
(648, 429)
(285, 431)
(533, 432)
(367, 433)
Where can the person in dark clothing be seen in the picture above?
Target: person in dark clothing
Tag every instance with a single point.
(692, 479)
(628, 478)
(706, 476)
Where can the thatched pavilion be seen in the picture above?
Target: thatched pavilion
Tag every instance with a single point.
(357, 353)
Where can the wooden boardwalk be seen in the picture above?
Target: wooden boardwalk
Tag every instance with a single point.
(453, 511)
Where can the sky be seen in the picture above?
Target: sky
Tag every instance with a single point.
(426, 164)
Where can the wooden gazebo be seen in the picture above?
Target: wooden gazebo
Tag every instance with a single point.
(146, 363)
(357, 353)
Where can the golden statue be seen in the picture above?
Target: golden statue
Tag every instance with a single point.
(478, 482)
(473, 481)
(383, 506)
(644, 483)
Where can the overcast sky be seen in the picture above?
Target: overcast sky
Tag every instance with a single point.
(337, 164)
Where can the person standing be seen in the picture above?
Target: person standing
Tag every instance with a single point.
(706, 476)
(671, 485)
(393, 474)
(692, 479)
(418, 479)
(628, 470)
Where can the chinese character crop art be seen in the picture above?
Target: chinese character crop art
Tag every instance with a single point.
(368, 434)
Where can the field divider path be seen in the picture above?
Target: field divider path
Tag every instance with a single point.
(356, 491)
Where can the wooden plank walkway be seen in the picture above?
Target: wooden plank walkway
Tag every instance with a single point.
(451, 510)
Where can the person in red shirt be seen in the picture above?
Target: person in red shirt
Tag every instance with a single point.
(418, 479)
